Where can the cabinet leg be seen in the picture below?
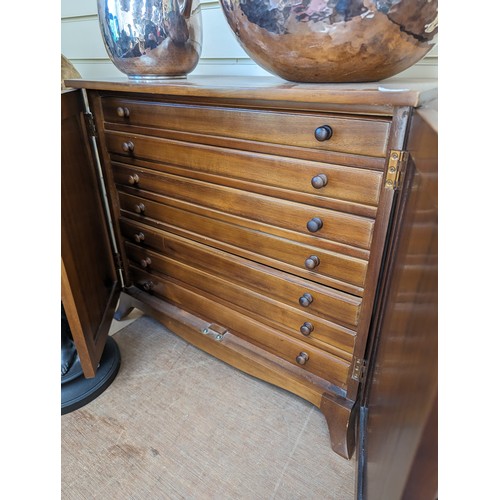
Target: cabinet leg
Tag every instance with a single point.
(340, 418)
(124, 308)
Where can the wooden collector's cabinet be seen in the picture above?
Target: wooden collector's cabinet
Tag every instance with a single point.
(252, 217)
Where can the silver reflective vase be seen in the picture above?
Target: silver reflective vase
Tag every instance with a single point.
(152, 39)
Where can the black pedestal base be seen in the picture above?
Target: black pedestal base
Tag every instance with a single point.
(77, 391)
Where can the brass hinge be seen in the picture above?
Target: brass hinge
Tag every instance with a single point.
(395, 169)
(358, 370)
(89, 120)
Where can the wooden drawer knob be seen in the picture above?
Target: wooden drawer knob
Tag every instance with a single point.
(138, 237)
(319, 181)
(314, 225)
(145, 262)
(323, 133)
(133, 179)
(312, 262)
(307, 328)
(140, 208)
(306, 300)
(128, 146)
(302, 358)
(122, 112)
(147, 286)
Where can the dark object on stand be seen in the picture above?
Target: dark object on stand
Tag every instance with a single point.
(76, 390)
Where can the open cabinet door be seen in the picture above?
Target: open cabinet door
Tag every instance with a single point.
(398, 452)
(89, 279)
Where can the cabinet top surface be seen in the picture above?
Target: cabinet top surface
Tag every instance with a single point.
(390, 92)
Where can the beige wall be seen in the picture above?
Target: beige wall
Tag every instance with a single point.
(82, 44)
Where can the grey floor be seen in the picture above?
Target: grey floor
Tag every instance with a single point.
(178, 423)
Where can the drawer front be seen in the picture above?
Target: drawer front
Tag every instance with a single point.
(357, 135)
(325, 365)
(297, 323)
(307, 297)
(316, 179)
(315, 221)
(342, 268)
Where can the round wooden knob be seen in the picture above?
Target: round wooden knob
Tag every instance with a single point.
(122, 112)
(128, 146)
(133, 179)
(140, 208)
(302, 358)
(306, 329)
(323, 133)
(147, 286)
(306, 300)
(315, 224)
(138, 237)
(312, 262)
(145, 262)
(319, 181)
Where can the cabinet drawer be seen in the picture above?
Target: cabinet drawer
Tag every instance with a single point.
(256, 245)
(337, 182)
(321, 363)
(304, 295)
(262, 307)
(357, 135)
(325, 224)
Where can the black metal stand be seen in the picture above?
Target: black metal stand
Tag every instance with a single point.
(77, 391)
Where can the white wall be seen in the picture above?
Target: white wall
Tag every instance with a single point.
(82, 44)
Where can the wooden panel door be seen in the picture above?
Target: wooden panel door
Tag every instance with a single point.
(398, 443)
(89, 279)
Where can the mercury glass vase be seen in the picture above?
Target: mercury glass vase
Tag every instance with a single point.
(333, 40)
(152, 39)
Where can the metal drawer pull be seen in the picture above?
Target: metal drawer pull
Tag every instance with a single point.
(133, 179)
(312, 262)
(122, 112)
(319, 181)
(145, 262)
(307, 328)
(306, 300)
(147, 286)
(323, 133)
(138, 237)
(302, 358)
(314, 225)
(128, 146)
(140, 208)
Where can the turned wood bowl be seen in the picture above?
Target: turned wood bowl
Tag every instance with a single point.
(333, 40)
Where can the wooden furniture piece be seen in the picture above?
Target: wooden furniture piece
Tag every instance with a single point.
(252, 217)
(399, 452)
(90, 285)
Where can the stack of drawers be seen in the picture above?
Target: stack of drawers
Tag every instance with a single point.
(260, 220)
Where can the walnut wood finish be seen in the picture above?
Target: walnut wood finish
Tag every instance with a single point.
(371, 97)
(89, 285)
(366, 136)
(335, 186)
(284, 287)
(235, 319)
(336, 226)
(342, 271)
(400, 446)
(240, 232)
(262, 306)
